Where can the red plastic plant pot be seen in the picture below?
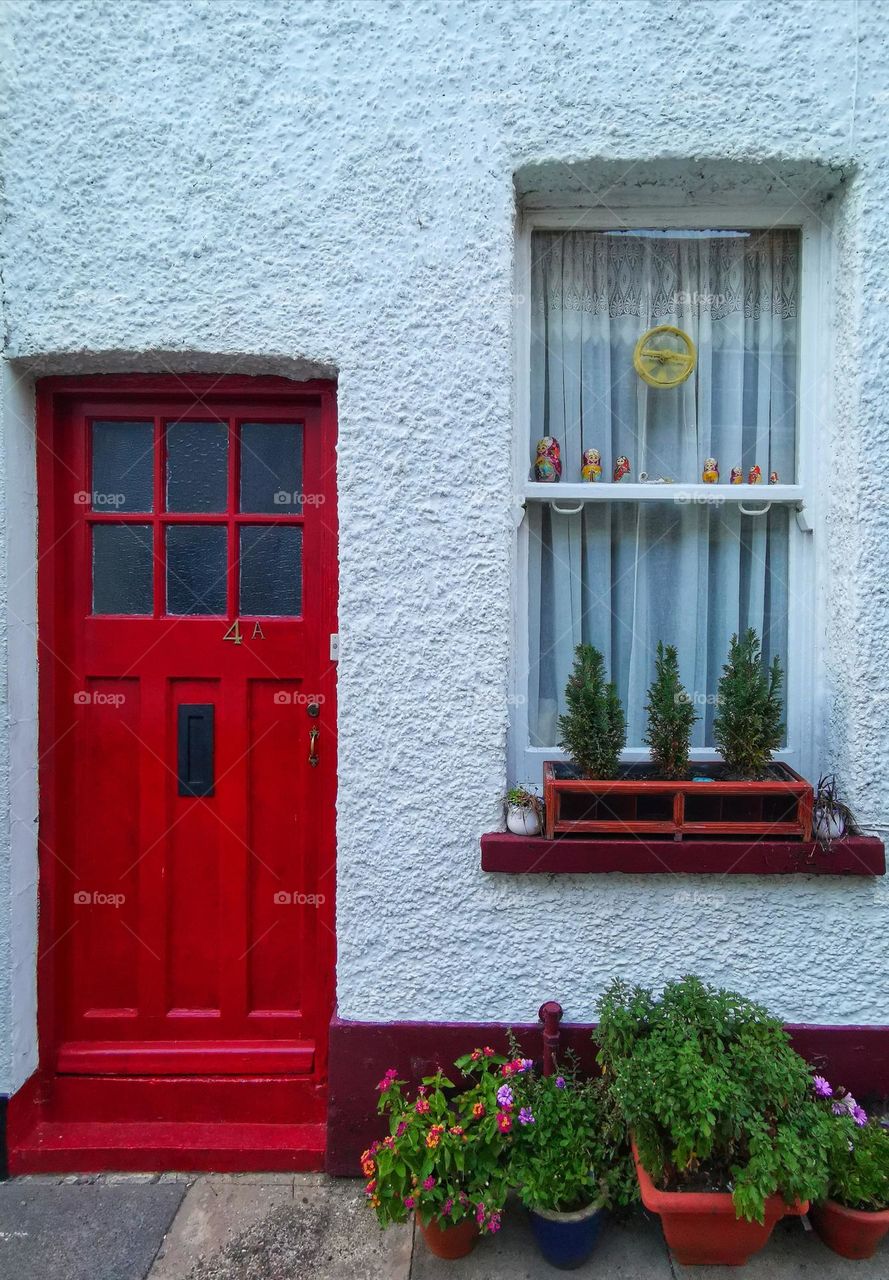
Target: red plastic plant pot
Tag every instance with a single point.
(852, 1233)
(451, 1241)
(701, 1227)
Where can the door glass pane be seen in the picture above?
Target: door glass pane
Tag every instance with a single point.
(271, 569)
(196, 568)
(271, 467)
(123, 578)
(123, 466)
(197, 466)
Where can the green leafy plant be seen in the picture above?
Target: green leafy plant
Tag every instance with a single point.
(858, 1155)
(594, 730)
(671, 716)
(747, 727)
(446, 1154)
(566, 1154)
(521, 798)
(714, 1095)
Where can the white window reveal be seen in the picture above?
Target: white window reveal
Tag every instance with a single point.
(657, 548)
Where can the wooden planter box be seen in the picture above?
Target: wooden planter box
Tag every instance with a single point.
(779, 806)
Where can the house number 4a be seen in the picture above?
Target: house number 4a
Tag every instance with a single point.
(235, 635)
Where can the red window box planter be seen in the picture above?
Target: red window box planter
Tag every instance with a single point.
(777, 806)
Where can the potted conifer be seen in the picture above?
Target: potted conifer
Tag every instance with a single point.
(747, 728)
(671, 717)
(594, 729)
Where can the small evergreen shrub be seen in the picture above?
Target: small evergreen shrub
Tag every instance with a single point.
(747, 727)
(713, 1094)
(594, 730)
(671, 716)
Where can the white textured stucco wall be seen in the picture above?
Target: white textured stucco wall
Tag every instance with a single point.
(329, 186)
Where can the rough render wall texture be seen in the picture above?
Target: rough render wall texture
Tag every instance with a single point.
(301, 186)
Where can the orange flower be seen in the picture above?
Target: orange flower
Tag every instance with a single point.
(478, 1110)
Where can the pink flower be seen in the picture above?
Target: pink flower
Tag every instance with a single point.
(494, 1222)
(409, 1202)
(428, 1183)
(447, 1207)
(387, 1081)
(488, 1051)
(422, 1105)
(479, 1213)
(402, 1125)
(504, 1121)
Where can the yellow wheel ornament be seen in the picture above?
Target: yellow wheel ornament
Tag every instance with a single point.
(664, 356)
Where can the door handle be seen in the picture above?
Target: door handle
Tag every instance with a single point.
(313, 739)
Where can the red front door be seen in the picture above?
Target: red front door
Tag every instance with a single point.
(187, 585)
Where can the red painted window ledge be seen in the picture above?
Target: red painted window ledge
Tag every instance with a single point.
(572, 855)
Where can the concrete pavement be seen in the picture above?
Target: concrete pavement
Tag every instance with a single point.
(309, 1227)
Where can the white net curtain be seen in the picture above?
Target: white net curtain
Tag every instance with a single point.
(624, 575)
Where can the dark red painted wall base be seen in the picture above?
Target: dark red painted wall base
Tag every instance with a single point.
(521, 855)
(360, 1053)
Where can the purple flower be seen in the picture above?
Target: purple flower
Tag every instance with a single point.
(527, 1064)
(838, 1109)
(560, 1082)
(525, 1116)
(822, 1087)
(859, 1115)
(504, 1096)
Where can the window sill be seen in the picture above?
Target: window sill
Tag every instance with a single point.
(523, 855)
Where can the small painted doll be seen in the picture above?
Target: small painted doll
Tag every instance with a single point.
(773, 477)
(548, 463)
(591, 470)
(621, 469)
(754, 476)
(710, 474)
(737, 476)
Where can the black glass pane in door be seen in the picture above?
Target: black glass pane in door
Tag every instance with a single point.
(271, 570)
(123, 466)
(123, 564)
(196, 568)
(197, 466)
(271, 467)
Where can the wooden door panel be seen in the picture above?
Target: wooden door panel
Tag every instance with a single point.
(189, 932)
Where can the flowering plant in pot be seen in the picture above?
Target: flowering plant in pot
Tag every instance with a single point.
(854, 1216)
(565, 1160)
(727, 1136)
(444, 1158)
(524, 812)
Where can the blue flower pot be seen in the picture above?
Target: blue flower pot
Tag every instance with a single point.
(566, 1240)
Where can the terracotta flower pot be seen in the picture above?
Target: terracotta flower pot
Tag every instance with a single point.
(852, 1233)
(701, 1227)
(450, 1241)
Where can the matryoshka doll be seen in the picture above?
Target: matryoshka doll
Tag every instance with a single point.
(773, 477)
(621, 469)
(591, 469)
(548, 463)
(710, 474)
(737, 476)
(754, 476)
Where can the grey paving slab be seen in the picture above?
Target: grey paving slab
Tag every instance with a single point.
(316, 1229)
(634, 1250)
(83, 1231)
(793, 1253)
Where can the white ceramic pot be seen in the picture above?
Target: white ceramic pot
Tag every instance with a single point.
(521, 821)
(828, 826)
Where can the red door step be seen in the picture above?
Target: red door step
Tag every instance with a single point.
(157, 1147)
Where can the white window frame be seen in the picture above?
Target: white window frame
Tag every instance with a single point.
(804, 692)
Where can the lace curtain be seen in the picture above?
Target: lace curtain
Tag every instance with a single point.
(623, 576)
